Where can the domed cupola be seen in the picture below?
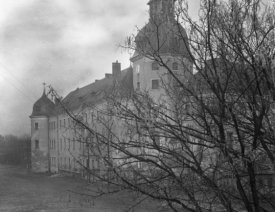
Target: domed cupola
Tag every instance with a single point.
(162, 35)
(43, 106)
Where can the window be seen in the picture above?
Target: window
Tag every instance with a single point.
(230, 139)
(64, 143)
(155, 66)
(97, 116)
(64, 122)
(92, 117)
(138, 86)
(60, 144)
(138, 69)
(155, 84)
(85, 117)
(60, 123)
(36, 126)
(187, 108)
(270, 182)
(36, 144)
(175, 66)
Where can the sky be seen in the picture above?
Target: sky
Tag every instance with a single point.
(64, 43)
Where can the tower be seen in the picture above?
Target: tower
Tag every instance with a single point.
(164, 37)
(42, 109)
(161, 10)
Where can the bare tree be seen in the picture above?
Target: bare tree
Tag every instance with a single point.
(208, 143)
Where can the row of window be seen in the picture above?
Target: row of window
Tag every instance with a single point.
(52, 144)
(156, 66)
(52, 125)
(154, 85)
(63, 123)
(67, 144)
(69, 163)
(53, 161)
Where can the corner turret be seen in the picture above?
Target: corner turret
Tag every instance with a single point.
(43, 108)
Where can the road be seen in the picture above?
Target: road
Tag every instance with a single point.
(22, 191)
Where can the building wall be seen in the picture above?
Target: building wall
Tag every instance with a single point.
(144, 74)
(71, 146)
(65, 150)
(39, 144)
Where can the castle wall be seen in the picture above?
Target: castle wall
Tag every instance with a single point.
(143, 74)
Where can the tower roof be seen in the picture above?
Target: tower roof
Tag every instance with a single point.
(43, 106)
(162, 34)
(161, 9)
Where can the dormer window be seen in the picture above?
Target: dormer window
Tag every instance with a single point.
(155, 66)
(175, 66)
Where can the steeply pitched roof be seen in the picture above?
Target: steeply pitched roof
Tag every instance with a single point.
(232, 77)
(96, 92)
(43, 106)
(164, 38)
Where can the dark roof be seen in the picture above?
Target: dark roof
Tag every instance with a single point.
(233, 77)
(96, 92)
(43, 106)
(166, 37)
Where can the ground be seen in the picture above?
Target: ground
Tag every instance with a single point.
(23, 191)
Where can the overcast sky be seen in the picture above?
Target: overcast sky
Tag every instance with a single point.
(65, 43)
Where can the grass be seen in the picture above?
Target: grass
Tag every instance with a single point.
(23, 191)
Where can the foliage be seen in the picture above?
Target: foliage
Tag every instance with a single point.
(15, 150)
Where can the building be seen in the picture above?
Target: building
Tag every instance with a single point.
(56, 145)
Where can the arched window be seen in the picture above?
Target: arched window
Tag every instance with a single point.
(155, 66)
(175, 66)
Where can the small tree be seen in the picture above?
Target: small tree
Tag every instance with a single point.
(15, 150)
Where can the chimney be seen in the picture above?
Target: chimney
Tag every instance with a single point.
(108, 76)
(116, 69)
